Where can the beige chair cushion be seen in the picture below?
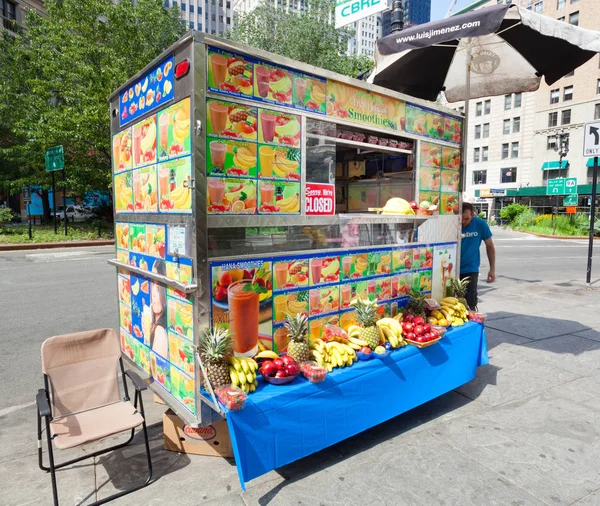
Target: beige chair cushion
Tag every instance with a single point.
(75, 430)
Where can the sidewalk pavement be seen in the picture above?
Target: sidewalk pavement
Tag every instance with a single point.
(524, 432)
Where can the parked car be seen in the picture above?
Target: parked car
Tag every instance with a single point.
(74, 213)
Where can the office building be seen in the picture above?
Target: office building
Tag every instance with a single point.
(15, 11)
(209, 16)
(415, 12)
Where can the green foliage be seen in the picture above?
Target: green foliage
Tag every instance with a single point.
(510, 212)
(55, 80)
(481, 215)
(524, 219)
(561, 225)
(308, 36)
(6, 215)
(45, 233)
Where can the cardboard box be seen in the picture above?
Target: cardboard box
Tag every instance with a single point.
(212, 440)
(158, 400)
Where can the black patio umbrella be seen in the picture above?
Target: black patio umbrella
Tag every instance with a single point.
(509, 50)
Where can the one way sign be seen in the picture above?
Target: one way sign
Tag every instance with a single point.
(591, 139)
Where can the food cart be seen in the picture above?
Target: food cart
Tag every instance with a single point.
(232, 164)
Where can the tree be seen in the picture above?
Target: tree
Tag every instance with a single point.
(308, 35)
(56, 78)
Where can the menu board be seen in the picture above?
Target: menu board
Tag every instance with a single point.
(244, 76)
(253, 160)
(438, 178)
(362, 106)
(252, 297)
(152, 163)
(152, 90)
(156, 321)
(432, 124)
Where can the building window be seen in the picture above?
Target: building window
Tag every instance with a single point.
(228, 21)
(570, 74)
(597, 111)
(574, 18)
(183, 6)
(486, 130)
(551, 142)
(554, 96)
(504, 151)
(479, 176)
(568, 93)
(487, 107)
(561, 4)
(478, 131)
(514, 150)
(191, 8)
(199, 26)
(574, 2)
(598, 87)
(552, 119)
(518, 98)
(8, 10)
(562, 18)
(476, 152)
(479, 105)
(192, 25)
(538, 7)
(507, 102)
(566, 117)
(484, 154)
(506, 127)
(516, 125)
(508, 175)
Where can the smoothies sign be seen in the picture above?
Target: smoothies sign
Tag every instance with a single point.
(362, 106)
(320, 199)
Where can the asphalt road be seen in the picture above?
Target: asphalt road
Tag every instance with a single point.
(49, 292)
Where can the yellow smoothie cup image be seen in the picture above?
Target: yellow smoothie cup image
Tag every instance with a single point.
(267, 155)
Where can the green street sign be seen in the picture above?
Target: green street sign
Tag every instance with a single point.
(55, 159)
(571, 200)
(562, 186)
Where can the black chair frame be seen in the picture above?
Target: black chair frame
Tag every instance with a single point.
(44, 411)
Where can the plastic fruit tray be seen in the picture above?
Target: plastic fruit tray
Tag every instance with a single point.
(423, 345)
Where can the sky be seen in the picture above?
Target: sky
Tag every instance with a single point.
(440, 7)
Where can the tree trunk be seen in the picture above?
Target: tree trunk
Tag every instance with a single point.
(46, 206)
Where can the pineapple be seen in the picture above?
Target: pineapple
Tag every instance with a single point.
(416, 306)
(214, 348)
(366, 315)
(459, 290)
(298, 348)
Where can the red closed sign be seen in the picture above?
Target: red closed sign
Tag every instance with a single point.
(320, 199)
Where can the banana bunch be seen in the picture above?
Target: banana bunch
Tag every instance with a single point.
(266, 354)
(354, 340)
(317, 94)
(453, 311)
(242, 371)
(397, 206)
(182, 197)
(244, 159)
(332, 354)
(186, 316)
(390, 331)
(282, 166)
(290, 204)
(296, 307)
(125, 196)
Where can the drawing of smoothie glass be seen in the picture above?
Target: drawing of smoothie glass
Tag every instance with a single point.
(243, 318)
(262, 80)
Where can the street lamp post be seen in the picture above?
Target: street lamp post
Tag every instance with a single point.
(397, 16)
(562, 148)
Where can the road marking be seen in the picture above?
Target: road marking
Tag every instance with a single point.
(66, 256)
(12, 409)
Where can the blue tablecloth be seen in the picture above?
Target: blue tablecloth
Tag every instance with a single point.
(281, 424)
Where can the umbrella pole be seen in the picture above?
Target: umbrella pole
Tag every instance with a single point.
(465, 130)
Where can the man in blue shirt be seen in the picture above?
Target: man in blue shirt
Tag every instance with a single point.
(474, 231)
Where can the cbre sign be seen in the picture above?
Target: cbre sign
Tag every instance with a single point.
(349, 11)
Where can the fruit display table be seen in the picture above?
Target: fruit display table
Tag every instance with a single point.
(281, 424)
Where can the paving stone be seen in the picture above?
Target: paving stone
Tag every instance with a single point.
(536, 327)
(548, 445)
(418, 470)
(593, 334)
(495, 337)
(592, 499)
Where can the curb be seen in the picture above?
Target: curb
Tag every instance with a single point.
(54, 245)
(568, 237)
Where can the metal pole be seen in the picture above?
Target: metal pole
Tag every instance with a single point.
(465, 132)
(397, 16)
(54, 204)
(592, 220)
(65, 200)
(29, 220)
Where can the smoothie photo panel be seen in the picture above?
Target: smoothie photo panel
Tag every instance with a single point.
(278, 128)
(324, 270)
(449, 203)
(174, 186)
(324, 300)
(122, 151)
(279, 162)
(230, 73)
(431, 155)
(180, 318)
(229, 158)
(145, 194)
(230, 120)
(316, 326)
(241, 301)
(290, 273)
(450, 180)
(450, 158)
(272, 83)
(354, 266)
(122, 232)
(379, 262)
(231, 196)
(278, 197)
(174, 131)
(310, 93)
(429, 179)
(123, 184)
(402, 260)
(182, 388)
(144, 142)
(290, 304)
(181, 353)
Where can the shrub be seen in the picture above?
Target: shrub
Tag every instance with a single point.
(510, 212)
(525, 219)
(6, 215)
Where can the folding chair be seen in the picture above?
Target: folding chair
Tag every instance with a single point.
(81, 402)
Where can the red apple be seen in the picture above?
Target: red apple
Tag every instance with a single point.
(292, 369)
(365, 349)
(409, 318)
(420, 339)
(220, 293)
(407, 326)
(281, 374)
(414, 205)
(225, 279)
(419, 330)
(278, 363)
(418, 320)
(411, 336)
(268, 368)
(287, 360)
(427, 327)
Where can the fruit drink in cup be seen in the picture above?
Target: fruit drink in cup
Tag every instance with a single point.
(267, 193)
(267, 154)
(281, 338)
(216, 191)
(316, 266)
(346, 264)
(346, 294)
(281, 307)
(218, 64)
(300, 89)
(218, 116)
(281, 274)
(243, 318)
(267, 123)
(163, 130)
(262, 80)
(218, 151)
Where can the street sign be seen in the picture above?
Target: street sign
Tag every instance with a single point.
(571, 200)
(571, 209)
(591, 139)
(562, 186)
(55, 159)
(349, 11)
(26, 193)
